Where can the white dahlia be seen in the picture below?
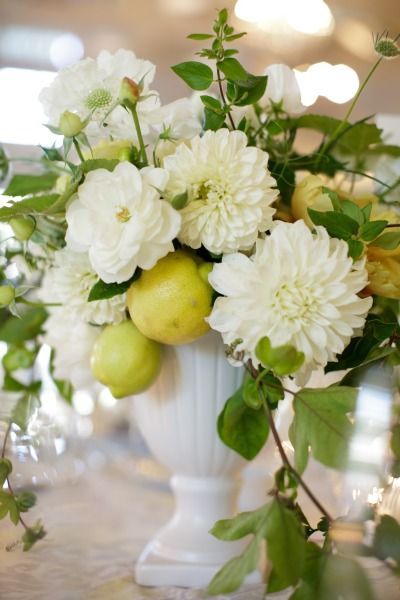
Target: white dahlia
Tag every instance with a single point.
(72, 340)
(69, 282)
(229, 191)
(93, 85)
(298, 288)
(120, 220)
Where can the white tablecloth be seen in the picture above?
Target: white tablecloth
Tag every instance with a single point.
(96, 529)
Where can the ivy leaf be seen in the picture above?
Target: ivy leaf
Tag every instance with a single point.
(337, 224)
(286, 547)
(387, 241)
(197, 75)
(241, 428)
(231, 576)
(33, 205)
(8, 506)
(17, 330)
(369, 231)
(386, 542)
(33, 535)
(22, 185)
(24, 410)
(5, 470)
(322, 423)
(102, 290)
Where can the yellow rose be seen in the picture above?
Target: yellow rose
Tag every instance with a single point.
(383, 266)
(308, 194)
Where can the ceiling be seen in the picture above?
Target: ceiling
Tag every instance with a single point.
(156, 30)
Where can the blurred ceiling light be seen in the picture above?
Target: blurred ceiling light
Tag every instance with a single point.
(40, 46)
(21, 114)
(337, 83)
(356, 37)
(311, 17)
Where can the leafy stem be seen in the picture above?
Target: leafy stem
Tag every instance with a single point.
(221, 91)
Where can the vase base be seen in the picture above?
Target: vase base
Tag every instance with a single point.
(154, 570)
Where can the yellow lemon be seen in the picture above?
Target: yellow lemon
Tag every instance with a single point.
(169, 302)
(125, 360)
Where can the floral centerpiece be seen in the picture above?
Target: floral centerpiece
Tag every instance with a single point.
(155, 223)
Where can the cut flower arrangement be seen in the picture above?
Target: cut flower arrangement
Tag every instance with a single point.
(156, 223)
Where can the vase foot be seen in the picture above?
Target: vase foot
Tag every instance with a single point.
(154, 570)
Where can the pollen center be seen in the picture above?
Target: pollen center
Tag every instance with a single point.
(100, 98)
(123, 215)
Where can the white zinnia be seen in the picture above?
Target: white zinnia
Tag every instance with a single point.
(93, 85)
(282, 87)
(229, 191)
(69, 282)
(120, 220)
(72, 340)
(298, 289)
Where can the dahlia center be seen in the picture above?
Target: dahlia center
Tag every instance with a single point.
(212, 192)
(294, 301)
(99, 98)
(123, 215)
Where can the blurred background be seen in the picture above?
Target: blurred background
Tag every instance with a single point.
(329, 42)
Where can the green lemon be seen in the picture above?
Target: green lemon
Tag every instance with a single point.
(169, 302)
(125, 360)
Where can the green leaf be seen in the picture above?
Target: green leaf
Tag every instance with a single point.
(241, 525)
(12, 385)
(241, 428)
(356, 248)
(222, 16)
(231, 576)
(250, 90)
(29, 206)
(4, 164)
(199, 36)
(15, 331)
(197, 75)
(285, 179)
(213, 121)
(65, 388)
(387, 539)
(5, 470)
(395, 440)
(322, 424)
(251, 394)
(286, 546)
(213, 104)
(180, 200)
(337, 224)
(99, 163)
(18, 358)
(22, 185)
(232, 69)
(25, 501)
(283, 360)
(24, 410)
(235, 36)
(369, 231)
(304, 592)
(273, 389)
(33, 535)
(8, 506)
(344, 578)
(102, 290)
(52, 154)
(387, 241)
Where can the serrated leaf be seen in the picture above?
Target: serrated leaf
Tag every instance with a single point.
(283, 532)
(232, 69)
(369, 231)
(5, 470)
(337, 224)
(241, 428)
(22, 185)
(322, 424)
(387, 241)
(197, 75)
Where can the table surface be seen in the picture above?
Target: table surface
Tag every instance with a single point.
(97, 527)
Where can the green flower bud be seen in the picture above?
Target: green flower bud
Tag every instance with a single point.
(70, 124)
(23, 227)
(7, 294)
(387, 48)
(129, 91)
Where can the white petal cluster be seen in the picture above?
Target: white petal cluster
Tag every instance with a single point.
(282, 87)
(229, 191)
(120, 220)
(93, 85)
(73, 340)
(298, 288)
(69, 282)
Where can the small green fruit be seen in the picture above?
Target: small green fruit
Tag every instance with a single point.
(23, 227)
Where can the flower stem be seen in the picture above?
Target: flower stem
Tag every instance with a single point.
(10, 489)
(135, 117)
(224, 102)
(36, 304)
(78, 149)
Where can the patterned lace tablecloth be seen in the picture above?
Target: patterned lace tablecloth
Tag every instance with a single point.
(96, 529)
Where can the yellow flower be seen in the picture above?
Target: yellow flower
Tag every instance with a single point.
(308, 194)
(117, 149)
(383, 266)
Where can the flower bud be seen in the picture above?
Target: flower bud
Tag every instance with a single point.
(387, 48)
(7, 294)
(23, 227)
(116, 149)
(70, 124)
(308, 194)
(129, 91)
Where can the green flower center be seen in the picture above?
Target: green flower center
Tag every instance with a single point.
(100, 98)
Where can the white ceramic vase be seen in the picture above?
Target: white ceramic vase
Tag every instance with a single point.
(178, 418)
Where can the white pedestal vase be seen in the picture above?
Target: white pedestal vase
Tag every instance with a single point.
(178, 418)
